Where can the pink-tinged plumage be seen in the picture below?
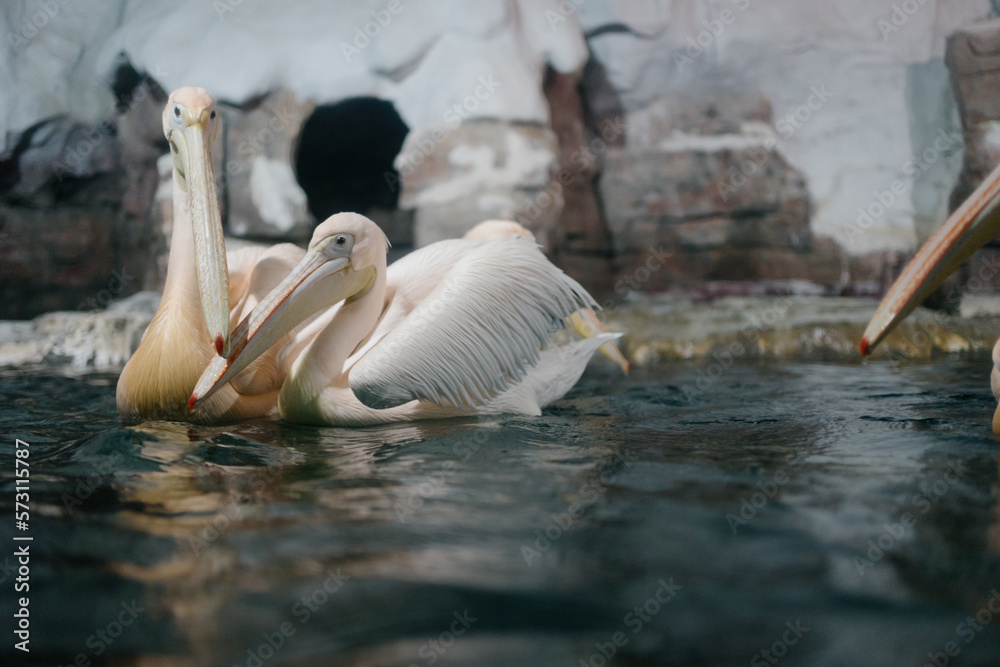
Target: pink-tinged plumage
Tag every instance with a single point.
(455, 328)
(191, 325)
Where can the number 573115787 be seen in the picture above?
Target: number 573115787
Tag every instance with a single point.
(22, 475)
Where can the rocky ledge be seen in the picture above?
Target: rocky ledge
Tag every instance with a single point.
(658, 329)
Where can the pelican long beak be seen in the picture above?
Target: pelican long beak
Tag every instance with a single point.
(194, 174)
(970, 227)
(317, 282)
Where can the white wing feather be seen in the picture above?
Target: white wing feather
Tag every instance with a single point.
(476, 331)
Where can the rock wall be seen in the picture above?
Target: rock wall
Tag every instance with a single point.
(741, 140)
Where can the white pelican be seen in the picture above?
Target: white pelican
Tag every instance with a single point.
(974, 223)
(192, 322)
(583, 321)
(456, 332)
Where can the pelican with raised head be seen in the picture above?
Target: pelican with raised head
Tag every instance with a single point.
(192, 323)
(457, 331)
(970, 227)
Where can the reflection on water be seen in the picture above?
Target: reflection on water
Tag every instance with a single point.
(816, 514)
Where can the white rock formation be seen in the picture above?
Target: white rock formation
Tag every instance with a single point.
(880, 61)
(882, 68)
(276, 194)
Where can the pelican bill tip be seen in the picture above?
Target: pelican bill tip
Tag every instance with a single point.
(192, 401)
(865, 348)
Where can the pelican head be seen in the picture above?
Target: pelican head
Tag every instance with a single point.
(342, 261)
(191, 124)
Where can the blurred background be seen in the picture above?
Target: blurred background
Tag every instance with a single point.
(724, 175)
(783, 146)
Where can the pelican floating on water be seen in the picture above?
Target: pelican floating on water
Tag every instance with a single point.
(192, 323)
(456, 331)
(583, 321)
(970, 227)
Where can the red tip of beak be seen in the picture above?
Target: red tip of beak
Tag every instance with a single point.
(864, 347)
(219, 345)
(192, 401)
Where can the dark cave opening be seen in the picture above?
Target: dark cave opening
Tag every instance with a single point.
(344, 161)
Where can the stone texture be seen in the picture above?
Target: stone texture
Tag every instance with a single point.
(670, 327)
(973, 58)
(144, 233)
(700, 192)
(257, 153)
(636, 88)
(657, 328)
(848, 143)
(582, 241)
(53, 259)
(74, 210)
(455, 177)
(90, 340)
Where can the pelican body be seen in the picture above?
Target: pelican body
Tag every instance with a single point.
(583, 321)
(970, 227)
(191, 325)
(452, 329)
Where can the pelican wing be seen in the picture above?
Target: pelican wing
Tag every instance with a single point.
(476, 331)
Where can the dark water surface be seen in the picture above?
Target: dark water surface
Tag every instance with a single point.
(826, 514)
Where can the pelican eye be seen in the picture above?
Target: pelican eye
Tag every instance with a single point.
(341, 241)
(177, 112)
(212, 115)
